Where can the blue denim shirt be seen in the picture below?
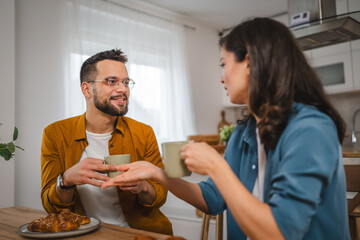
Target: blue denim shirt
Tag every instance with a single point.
(304, 178)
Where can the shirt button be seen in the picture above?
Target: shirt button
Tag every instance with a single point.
(111, 145)
(253, 166)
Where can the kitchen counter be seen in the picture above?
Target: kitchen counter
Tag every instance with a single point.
(351, 151)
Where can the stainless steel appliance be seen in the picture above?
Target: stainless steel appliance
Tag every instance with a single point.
(315, 23)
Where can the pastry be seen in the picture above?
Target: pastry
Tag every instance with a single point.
(60, 222)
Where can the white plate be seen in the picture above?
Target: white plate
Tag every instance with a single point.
(92, 225)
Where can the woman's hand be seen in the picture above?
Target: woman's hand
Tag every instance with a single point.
(201, 158)
(134, 174)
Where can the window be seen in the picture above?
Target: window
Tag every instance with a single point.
(161, 97)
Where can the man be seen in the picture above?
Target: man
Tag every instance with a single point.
(73, 149)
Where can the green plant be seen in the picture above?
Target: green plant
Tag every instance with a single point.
(7, 149)
(225, 132)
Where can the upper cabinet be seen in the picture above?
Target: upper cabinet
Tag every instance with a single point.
(345, 6)
(354, 5)
(355, 47)
(341, 7)
(335, 66)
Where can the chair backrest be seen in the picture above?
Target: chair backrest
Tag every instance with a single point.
(352, 173)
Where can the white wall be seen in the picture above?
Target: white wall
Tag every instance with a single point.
(7, 98)
(204, 60)
(39, 85)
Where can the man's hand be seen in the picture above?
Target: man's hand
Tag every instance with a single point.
(87, 171)
(134, 179)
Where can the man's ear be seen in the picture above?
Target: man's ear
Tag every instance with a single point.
(86, 89)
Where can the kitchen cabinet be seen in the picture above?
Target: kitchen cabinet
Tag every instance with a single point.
(341, 6)
(354, 5)
(355, 47)
(334, 65)
(345, 6)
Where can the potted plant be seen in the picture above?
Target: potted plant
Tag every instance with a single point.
(225, 132)
(7, 149)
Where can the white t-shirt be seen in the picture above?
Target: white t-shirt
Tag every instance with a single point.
(258, 190)
(102, 204)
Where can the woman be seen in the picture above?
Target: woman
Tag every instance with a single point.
(283, 176)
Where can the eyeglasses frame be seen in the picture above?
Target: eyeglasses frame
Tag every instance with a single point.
(106, 81)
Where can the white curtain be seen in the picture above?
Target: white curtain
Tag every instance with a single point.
(157, 63)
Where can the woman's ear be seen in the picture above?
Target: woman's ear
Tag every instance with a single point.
(86, 89)
(247, 59)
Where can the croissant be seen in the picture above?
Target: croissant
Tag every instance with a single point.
(60, 222)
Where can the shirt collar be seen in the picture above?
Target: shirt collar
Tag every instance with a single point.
(80, 128)
(250, 132)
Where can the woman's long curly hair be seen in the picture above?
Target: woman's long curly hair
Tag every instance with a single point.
(279, 75)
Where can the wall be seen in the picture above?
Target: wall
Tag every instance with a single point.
(39, 85)
(7, 98)
(204, 59)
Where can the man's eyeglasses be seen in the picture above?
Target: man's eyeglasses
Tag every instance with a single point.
(112, 82)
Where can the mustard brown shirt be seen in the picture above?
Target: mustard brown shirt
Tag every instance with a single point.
(62, 145)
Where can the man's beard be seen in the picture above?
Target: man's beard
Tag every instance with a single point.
(108, 108)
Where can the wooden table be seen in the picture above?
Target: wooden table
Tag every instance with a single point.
(13, 217)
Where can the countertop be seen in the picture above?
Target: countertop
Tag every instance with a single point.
(349, 154)
(351, 151)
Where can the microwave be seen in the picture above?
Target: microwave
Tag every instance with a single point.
(333, 64)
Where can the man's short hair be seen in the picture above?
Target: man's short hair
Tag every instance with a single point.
(88, 68)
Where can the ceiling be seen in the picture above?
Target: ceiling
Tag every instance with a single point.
(223, 14)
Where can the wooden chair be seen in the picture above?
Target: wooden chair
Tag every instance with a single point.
(352, 173)
(205, 226)
(212, 140)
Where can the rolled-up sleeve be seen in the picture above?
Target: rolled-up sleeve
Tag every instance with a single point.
(212, 197)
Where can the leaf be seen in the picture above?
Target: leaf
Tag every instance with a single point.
(225, 132)
(11, 147)
(5, 154)
(16, 133)
(19, 147)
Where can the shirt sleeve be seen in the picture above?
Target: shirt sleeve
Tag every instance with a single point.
(309, 154)
(152, 155)
(50, 169)
(212, 197)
